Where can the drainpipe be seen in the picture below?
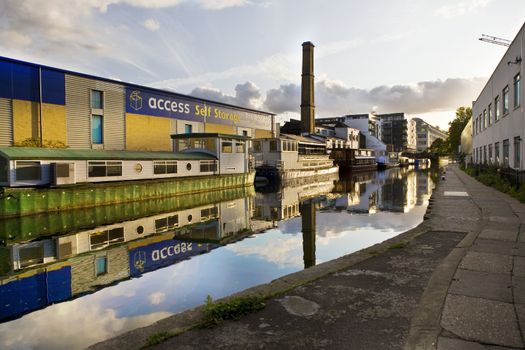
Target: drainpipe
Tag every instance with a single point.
(41, 132)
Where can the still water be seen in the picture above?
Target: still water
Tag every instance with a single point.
(71, 279)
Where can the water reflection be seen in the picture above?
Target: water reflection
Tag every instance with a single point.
(146, 261)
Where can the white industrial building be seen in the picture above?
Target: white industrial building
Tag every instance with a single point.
(498, 120)
(426, 134)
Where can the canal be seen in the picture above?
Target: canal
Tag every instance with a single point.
(71, 279)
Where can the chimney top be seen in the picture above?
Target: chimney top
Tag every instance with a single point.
(308, 43)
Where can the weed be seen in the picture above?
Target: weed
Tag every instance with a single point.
(159, 338)
(398, 245)
(232, 309)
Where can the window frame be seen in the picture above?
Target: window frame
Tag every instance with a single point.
(165, 165)
(106, 164)
(517, 90)
(92, 100)
(505, 105)
(28, 164)
(93, 117)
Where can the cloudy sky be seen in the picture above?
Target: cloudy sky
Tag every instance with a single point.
(413, 56)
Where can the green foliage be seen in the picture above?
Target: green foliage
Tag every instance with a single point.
(492, 178)
(456, 126)
(399, 245)
(439, 147)
(32, 142)
(159, 338)
(232, 309)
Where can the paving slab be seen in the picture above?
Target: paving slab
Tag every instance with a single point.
(521, 249)
(518, 284)
(499, 234)
(492, 246)
(487, 262)
(520, 311)
(482, 320)
(480, 284)
(519, 266)
(445, 343)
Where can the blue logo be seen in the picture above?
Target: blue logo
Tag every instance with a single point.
(139, 260)
(135, 100)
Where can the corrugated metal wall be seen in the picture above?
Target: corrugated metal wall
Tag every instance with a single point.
(78, 110)
(6, 122)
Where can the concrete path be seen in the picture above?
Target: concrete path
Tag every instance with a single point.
(457, 281)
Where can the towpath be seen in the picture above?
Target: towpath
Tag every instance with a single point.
(457, 281)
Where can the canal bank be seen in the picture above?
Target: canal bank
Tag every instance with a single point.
(454, 281)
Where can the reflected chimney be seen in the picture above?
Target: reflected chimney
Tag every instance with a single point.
(307, 90)
(307, 210)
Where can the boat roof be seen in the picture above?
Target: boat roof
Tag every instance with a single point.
(201, 135)
(20, 153)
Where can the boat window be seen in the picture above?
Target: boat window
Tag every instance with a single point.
(165, 167)
(208, 165)
(102, 169)
(273, 146)
(239, 146)
(4, 170)
(28, 171)
(226, 146)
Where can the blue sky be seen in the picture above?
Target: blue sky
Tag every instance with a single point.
(418, 57)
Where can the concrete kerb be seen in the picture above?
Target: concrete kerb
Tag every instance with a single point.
(190, 319)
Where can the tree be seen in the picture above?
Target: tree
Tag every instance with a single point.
(463, 115)
(439, 147)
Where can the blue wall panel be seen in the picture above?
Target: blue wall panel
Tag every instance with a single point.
(53, 87)
(25, 83)
(6, 79)
(35, 292)
(21, 81)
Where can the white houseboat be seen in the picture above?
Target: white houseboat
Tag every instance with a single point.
(199, 154)
(291, 156)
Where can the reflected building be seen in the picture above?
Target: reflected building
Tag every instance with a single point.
(284, 203)
(59, 267)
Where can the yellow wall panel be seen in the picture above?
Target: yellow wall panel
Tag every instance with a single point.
(54, 123)
(25, 120)
(220, 128)
(148, 133)
(261, 134)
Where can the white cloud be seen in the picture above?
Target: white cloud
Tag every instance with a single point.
(151, 24)
(246, 95)
(335, 98)
(156, 298)
(222, 4)
(51, 328)
(460, 8)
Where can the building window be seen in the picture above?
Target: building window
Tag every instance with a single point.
(239, 146)
(245, 133)
(496, 153)
(496, 108)
(165, 167)
(167, 223)
(517, 90)
(517, 141)
(489, 110)
(208, 165)
(97, 101)
(103, 239)
(505, 100)
(102, 169)
(273, 146)
(257, 146)
(490, 154)
(97, 129)
(485, 154)
(226, 146)
(484, 119)
(28, 171)
(188, 128)
(101, 265)
(505, 154)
